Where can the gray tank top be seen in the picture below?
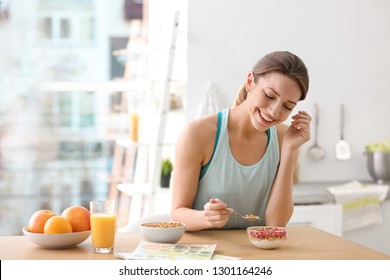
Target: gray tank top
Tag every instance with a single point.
(244, 188)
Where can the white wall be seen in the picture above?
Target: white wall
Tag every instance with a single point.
(345, 45)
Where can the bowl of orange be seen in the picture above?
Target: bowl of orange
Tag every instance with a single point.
(57, 241)
(67, 230)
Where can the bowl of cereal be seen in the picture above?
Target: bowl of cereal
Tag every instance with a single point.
(267, 237)
(162, 232)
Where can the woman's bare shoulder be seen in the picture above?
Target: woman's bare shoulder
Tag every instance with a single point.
(201, 129)
(281, 130)
(197, 138)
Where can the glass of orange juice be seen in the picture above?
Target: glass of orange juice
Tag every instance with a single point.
(103, 220)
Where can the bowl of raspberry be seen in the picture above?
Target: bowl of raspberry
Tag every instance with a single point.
(267, 237)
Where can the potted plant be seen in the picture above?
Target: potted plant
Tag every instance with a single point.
(166, 171)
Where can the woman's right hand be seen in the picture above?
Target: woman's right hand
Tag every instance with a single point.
(216, 212)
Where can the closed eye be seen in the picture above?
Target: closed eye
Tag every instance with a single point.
(268, 96)
(288, 105)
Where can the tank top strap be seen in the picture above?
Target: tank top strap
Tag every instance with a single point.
(206, 166)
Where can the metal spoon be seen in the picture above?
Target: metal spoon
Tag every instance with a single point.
(248, 217)
(315, 151)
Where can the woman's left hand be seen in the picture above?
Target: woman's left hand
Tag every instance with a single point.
(299, 131)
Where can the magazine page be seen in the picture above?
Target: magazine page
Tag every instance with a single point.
(127, 256)
(163, 251)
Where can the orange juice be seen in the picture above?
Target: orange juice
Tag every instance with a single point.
(134, 127)
(103, 230)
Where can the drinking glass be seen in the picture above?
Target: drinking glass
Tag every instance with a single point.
(103, 220)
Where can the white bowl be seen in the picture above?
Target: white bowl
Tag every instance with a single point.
(162, 232)
(267, 237)
(57, 241)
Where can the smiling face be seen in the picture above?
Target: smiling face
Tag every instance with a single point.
(271, 98)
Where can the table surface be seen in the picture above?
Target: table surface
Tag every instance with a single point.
(303, 243)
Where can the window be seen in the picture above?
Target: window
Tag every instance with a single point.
(66, 22)
(74, 110)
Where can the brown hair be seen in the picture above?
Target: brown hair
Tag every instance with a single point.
(281, 61)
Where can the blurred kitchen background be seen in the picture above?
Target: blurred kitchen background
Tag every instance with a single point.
(72, 74)
(68, 85)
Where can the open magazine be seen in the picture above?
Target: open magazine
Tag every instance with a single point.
(163, 251)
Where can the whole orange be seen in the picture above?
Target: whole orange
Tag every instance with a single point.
(38, 220)
(79, 218)
(57, 225)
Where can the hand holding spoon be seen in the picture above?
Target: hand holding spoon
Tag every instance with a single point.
(248, 217)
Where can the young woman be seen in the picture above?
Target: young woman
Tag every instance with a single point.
(244, 157)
